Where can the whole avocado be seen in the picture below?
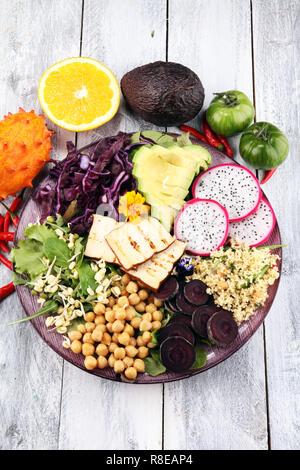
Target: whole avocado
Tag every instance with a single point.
(164, 93)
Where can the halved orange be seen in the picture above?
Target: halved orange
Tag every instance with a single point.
(79, 94)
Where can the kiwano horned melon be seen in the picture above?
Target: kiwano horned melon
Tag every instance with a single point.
(24, 149)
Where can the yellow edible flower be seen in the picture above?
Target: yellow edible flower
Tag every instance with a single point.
(132, 205)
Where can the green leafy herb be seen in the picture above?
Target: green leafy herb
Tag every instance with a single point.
(154, 337)
(77, 321)
(40, 233)
(201, 357)
(59, 224)
(86, 277)
(27, 258)
(152, 33)
(270, 247)
(153, 364)
(254, 277)
(59, 249)
(49, 307)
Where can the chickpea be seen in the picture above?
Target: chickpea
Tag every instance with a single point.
(151, 299)
(87, 338)
(157, 302)
(131, 351)
(97, 334)
(135, 322)
(132, 341)
(132, 287)
(157, 315)
(141, 307)
(128, 361)
(134, 299)
(90, 362)
(140, 341)
(115, 308)
(156, 325)
(89, 316)
(131, 373)
(88, 349)
(115, 338)
(143, 352)
(150, 345)
(122, 301)
(81, 328)
(125, 279)
(106, 339)
(76, 346)
(102, 350)
(130, 313)
(102, 327)
(139, 365)
(99, 309)
(124, 338)
(147, 316)
(124, 292)
(145, 325)
(146, 337)
(90, 326)
(143, 294)
(112, 347)
(119, 366)
(151, 308)
(110, 316)
(121, 314)
(111, 301)
(109, 327)
(75, 335)
(100, 320)
(117, 326)
(102, 362)
(119, 353)
(129, 329)
(111, 360)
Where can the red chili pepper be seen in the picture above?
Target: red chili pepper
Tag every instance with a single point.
(6, 262)
(3, 247)
(7, 236)
(194, 133)
(212, 140)
(227, 146)
(268, 175)
(10, 214)
(6, 290)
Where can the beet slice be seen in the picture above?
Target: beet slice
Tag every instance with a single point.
(200, 318)
(176, 329)
(173, 305)
(184, 305)
(195, 292)
(179, 318)
(168, 306)
(168, 289)
(222, 329)
(177, 354)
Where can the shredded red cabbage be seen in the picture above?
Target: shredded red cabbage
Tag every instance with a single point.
(97, 174)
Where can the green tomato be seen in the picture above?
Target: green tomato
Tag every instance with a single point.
(264, 146)
(230, 113)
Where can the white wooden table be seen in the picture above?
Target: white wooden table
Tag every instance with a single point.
(251, 401)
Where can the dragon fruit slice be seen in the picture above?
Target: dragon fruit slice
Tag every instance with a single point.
(233, 186)
(257, 228)
(203, 224)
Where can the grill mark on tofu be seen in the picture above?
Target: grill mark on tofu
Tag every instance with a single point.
(150, 242)
(134, 244)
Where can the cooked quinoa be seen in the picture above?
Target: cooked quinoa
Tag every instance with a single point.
(238, 277)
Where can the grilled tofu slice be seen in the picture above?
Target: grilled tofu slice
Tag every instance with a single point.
(97, 247)
(154, 271)
(134, 243)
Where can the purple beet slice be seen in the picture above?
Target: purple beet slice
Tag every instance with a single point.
(195, 292)
(173, 305)
(222, 329)
(177, 354)
(200, 318)
(184, 305)
(168, 289)
(176, 329)
(179, 318)
(169, 307)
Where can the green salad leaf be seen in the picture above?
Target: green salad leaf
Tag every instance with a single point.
(49, 307)
(153, 364)
(40, 233)
(86, 277)
(201, 358)
(54, 247)
(27, 258)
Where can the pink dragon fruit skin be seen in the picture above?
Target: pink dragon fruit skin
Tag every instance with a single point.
(257, 228)
(233, 186)
(183, 227)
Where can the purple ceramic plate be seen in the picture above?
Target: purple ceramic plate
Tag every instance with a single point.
(215, 355)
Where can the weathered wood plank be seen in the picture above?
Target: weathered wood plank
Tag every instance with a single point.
(276, 57)
(111, 415)
(33, 36)
(224, 408)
